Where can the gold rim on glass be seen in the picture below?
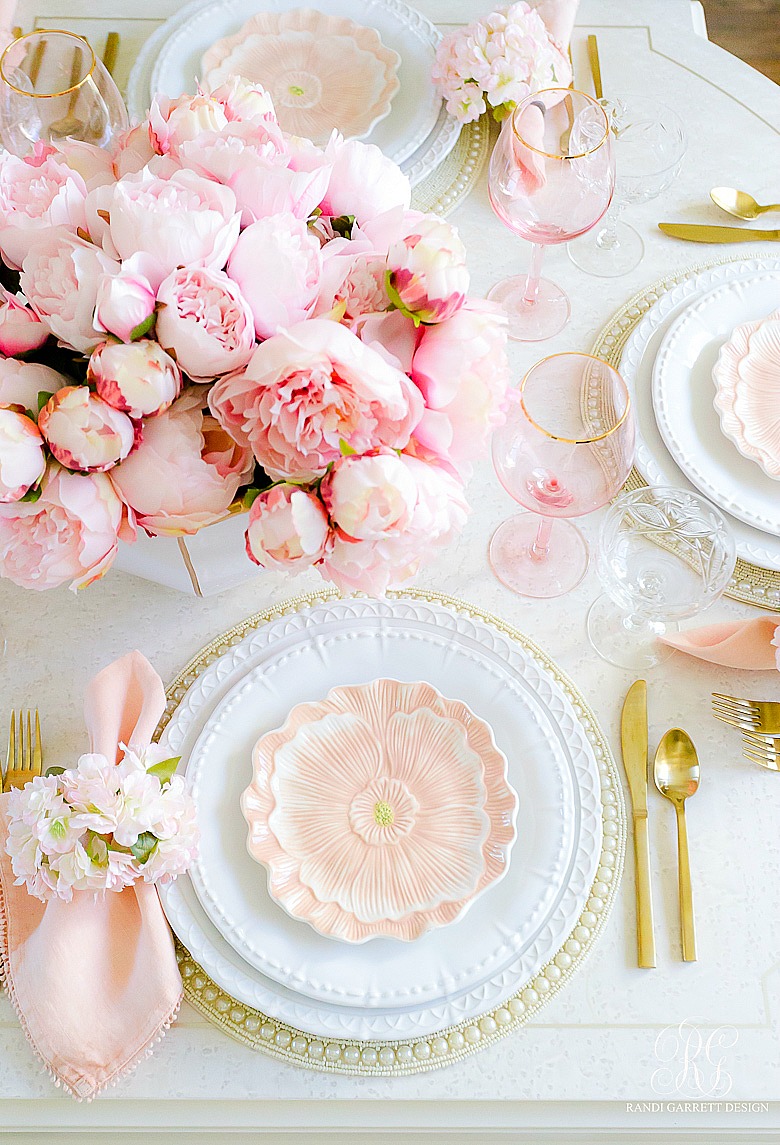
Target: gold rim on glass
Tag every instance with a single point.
(565, 91)
(48, 94)
(576, 440)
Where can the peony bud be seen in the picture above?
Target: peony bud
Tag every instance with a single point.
(288, 528)
(21, 330)
(84, 432)
(125, 301)
(138, 378)
(22, 460)
(427, 278)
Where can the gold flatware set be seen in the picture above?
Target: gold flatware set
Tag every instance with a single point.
(759, 722)
(25, 754)
(676, 776)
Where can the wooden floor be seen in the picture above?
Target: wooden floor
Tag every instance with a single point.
(749, 29)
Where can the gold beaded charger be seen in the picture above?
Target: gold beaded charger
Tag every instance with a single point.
(751, 583)
(457, 175)
(397, 1056)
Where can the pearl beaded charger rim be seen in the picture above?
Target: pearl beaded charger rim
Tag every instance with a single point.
(382, 810)
(751, 583)
(404, 1056)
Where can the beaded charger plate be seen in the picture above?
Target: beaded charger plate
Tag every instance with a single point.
(752, 583)
(388, 1056)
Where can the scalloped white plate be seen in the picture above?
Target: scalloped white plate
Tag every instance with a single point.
(684, 393)
(418, 133)
(653, 459)
(223, 912)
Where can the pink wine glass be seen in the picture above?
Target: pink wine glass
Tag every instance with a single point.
(551, 178)
(566, 448)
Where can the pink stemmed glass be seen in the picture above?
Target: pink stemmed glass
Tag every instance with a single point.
(566, 448)
(551, 178)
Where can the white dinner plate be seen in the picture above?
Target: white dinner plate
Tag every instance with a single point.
(684, 392)
(280, 965)
(653, 459)
(416, 106)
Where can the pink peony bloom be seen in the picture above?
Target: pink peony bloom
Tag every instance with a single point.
(125, 300)
(353, 278)
(310, 389)
(363, 182)
(60, 278)
(288, 528)
(370, 496)
(264, 188)
(22, 460)
(84, 432)
(175, 121)
(93, 164)
(138, 378)
(21, 330)
(186, 471)
(372, 566)
(277, 264)
(182, 221)
(22, 382)
(206, 321)
(243, 101)
(461, 368)
(68, 534)
(35, 196)
(428, 276)
(131, 151)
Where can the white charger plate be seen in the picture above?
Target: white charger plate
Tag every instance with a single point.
(653, 459)
(684, 392)
(385, 989)
(417, 133)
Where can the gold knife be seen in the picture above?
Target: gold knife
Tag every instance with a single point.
(633, 738)
(700, 233)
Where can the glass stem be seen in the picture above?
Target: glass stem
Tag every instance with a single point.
(534, 274)
(540, 549)
(607, 237)
(637, 625)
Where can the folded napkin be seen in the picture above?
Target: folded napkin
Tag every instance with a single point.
(94, 981)
(752, 644)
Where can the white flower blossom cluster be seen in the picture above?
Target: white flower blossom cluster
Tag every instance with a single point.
(100, 826)
(497, 61)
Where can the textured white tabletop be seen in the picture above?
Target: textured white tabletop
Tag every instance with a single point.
(593, 1050)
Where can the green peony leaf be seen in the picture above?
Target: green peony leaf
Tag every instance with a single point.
(54, 771)
(250, 496)
(346, 449)
(43, 397)
(165, 770)
(342, 225)
(144, 846)
(32, 494)
(143, 328)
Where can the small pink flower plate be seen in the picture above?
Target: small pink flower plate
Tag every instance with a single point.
(747, 379)
(323, 72)
(382, 810)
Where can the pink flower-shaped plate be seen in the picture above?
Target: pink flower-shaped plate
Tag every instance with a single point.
(747, 379)
(383, 809)
(323, 72)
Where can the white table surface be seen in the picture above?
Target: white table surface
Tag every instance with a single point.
(574, 1072)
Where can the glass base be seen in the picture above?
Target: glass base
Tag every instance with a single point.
(513, 561)
(532, 322)
(608, 259)
(624, 642)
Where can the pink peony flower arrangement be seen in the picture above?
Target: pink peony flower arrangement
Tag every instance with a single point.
(215, 312)
(497, 61)
(101, 825)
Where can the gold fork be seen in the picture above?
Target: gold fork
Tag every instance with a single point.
(25, 757)
(763, 750)
(747, 715)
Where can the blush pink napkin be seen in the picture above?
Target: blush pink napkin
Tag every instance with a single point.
(94, 981)
(752, 644)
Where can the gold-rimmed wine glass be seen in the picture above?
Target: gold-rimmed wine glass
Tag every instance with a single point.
(565, 449)
(53, 88)
(551, 179)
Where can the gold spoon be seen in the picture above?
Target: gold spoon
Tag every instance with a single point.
(69, 125)
(676, 774)
(739, 203)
